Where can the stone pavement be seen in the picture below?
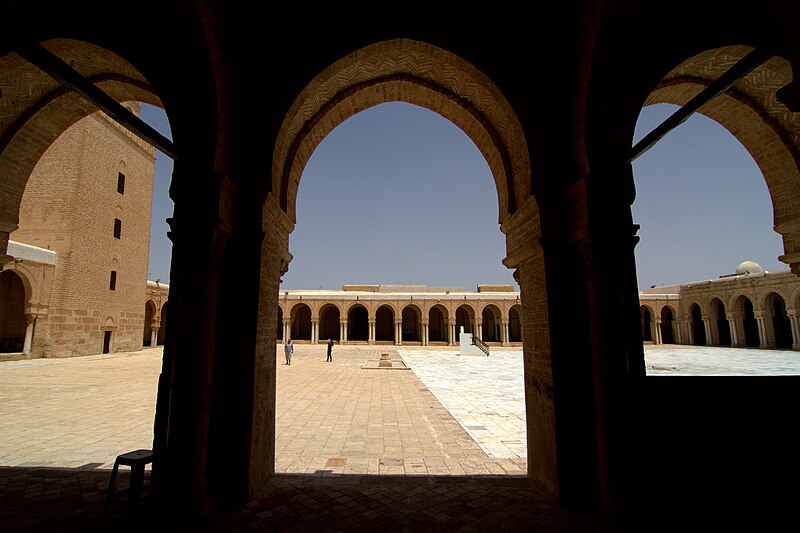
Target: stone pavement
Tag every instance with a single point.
(440, 447)
(358, 449)
(341, 418)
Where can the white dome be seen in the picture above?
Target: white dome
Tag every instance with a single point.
(749, 267)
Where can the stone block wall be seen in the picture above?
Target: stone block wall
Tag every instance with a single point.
(70, 206)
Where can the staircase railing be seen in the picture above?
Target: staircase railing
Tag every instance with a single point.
(480, 344)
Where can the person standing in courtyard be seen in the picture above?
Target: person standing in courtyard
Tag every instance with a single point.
(288, 349)
(330, 349)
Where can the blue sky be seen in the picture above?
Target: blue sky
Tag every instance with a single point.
(398, 194)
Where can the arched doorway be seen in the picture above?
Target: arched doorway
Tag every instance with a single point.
(12, 313)
(721, 322)
(667, 335)
(149, 312)
(514, 324)
(329, 326)
(358, 323)
(384, 324)
(748, 321)
(698, 326)
(301, 323)
(410, 329)
(437, 324)
(491, 324)
(464, 318)
(647, 323)
(781, 325)
(279, 325)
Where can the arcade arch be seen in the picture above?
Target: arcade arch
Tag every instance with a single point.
(330, 325)
(384, 324)
(438, 328)
(357, 323)
(301, 323)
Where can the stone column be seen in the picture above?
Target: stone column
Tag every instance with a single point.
(425, 332)
(154, 327)
(763, 340)
(30, 320)
(183, 406)
(657, 330)
(795, 324)
(710, 341)
(479, 329)
(342, 332)
(731, 318)
(451, 327)
(398, 332)
(314, 330)
(371, 331)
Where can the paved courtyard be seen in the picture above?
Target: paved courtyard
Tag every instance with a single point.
(63, 422)
(448, 414)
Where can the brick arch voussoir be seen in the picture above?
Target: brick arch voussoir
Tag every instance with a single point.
(752, 114)
(649, 308)
(414, 72)
(673, 309)
(24, 142)
(764, 299)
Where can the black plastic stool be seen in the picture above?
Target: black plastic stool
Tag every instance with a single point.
(136, 460)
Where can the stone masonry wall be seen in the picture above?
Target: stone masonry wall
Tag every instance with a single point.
(70, 206)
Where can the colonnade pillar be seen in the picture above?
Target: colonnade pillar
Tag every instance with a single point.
(794, 321)
(710, 341)
(371, 331)
(425, 324)
(479, 329)
(343, 331)
(504, 333)
(315, 331)
(398, 332)
(657, 330)
(763, 341)
(30, 321)
(686, 324)
(451, 327)
(731, 318)
(154, 327)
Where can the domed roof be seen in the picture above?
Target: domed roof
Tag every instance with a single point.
(749, 267)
